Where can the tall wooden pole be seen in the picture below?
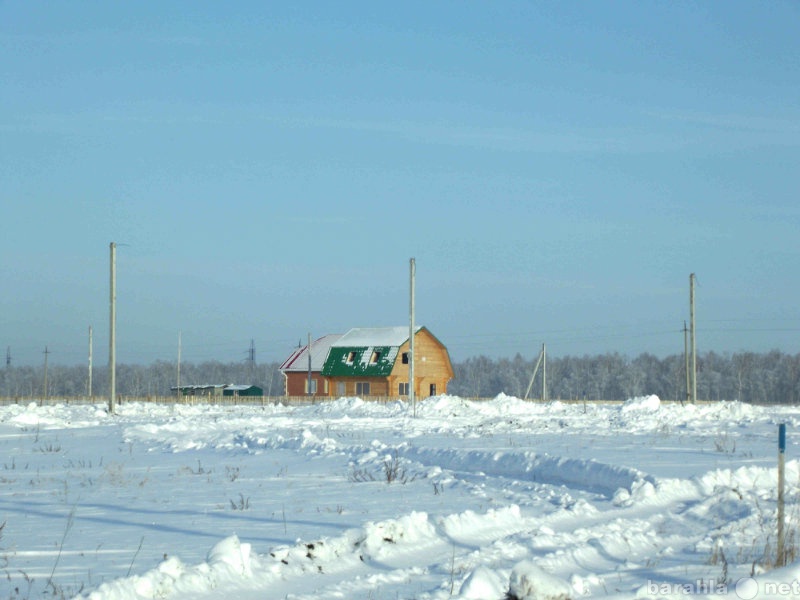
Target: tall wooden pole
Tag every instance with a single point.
(89, 383)
(411, 383)
(308, 351)
(178, 375)
(544, 373)
(686, 360)
(692, 278)
(112, 337)
(533, 375)
(46, 352)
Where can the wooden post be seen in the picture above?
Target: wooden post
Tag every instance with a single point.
(178, 374)
(780, 560)
(46, 352)
(692, 279)
(544, 373)
(112, 336)
(686, 360)
(89, 382)
(411, 389)
(533, 376)
(308, 351)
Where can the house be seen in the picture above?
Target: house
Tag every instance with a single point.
(375, 362)
(218, 390)
(370, 362)
(198, 390)
(242, 390)
(295, 368)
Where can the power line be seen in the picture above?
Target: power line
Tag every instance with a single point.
(46, 353)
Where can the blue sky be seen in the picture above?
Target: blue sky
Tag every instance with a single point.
(557, 170)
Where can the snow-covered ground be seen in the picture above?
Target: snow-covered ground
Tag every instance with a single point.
(360, 500)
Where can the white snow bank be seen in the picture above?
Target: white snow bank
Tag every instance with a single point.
(745, 478)
(733, 412)
(227, 561)
(445, 405)
(584, 474)
(231, 565)
(383, 539)
(356, 407)
(500, 406)
(481, 584)
(233, 553)
(52, 416)
(649, 403)
(530, 582)
(470, 527)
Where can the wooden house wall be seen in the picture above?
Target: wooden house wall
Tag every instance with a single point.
(431, 366)
(378, 386)
(296, 383)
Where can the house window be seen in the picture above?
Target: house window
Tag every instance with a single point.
(313, 389)
(362, 388)
(341, 388)
(403, 389)
(404, 356)
(351, 357)
(376, 356)
(433, 389)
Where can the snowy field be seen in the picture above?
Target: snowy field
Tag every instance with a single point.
(354, 500)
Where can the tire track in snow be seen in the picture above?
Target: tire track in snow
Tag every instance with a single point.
(597, 545)
(585, 475)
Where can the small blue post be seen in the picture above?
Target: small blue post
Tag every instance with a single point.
(782, 438)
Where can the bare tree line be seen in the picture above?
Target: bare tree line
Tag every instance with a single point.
(772, 377)
(155, 379)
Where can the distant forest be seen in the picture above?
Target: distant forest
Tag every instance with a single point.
(773, 377)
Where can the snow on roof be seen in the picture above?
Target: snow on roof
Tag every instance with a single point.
(210, 386)
(200, 386)
(298, 361)
(374, 336)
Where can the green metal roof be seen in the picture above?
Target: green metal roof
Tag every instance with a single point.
(360, 361)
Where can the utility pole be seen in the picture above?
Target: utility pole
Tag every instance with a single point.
(46, 352)
(533, 376)
(112, 338)
(8, 368)
(411, 391)
(89, 382)
(178, 383)
(251, 359)
(308, 351)
(692, 279)
(686, 359)
(544, 373)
